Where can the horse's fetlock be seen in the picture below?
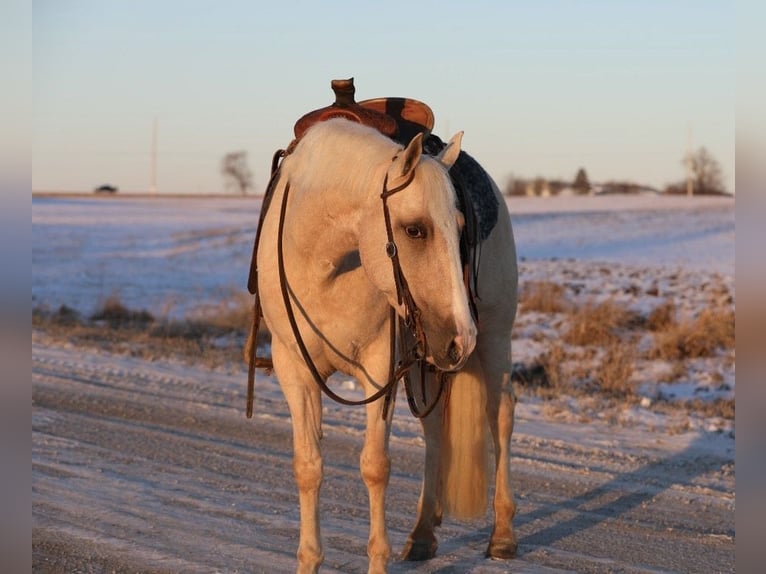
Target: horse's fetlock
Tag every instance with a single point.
(379, 553)
(309, 563)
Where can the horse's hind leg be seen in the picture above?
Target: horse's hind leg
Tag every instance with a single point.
(304, 400)
(495, 353)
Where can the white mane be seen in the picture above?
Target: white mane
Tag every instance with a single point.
(343, 152)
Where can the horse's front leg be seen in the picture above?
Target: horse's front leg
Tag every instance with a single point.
(304, 400)
(375, 466)
(421, 543)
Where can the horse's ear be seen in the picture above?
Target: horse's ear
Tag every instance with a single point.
(448, 156)
(408, 159)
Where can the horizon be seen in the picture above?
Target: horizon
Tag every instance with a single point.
(615, 88)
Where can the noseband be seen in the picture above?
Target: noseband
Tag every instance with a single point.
(412, 316)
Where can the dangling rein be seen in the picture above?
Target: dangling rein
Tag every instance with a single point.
(412, 318)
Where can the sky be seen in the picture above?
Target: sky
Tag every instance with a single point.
(540, 88)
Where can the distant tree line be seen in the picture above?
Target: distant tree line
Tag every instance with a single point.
(704, 175)
(540, 186)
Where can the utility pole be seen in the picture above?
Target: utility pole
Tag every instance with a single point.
(689, 164)
(153, 184)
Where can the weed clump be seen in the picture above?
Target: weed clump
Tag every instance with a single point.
(543, 297)
(545, 375)
(712, 330)
(662, 316)
(612, 375)
(598, 323)
(117, 315)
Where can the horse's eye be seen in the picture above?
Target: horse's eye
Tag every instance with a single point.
(415, 231)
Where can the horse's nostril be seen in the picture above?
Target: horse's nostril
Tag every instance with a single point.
(455, 351)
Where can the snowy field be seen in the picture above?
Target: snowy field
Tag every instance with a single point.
(172, 255)
(168, 254)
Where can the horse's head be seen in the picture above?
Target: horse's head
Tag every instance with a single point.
(425, 228)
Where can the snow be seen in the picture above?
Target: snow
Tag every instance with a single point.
(169, 254)
(174, 255)
(146, 465)
(696, 233)
(165, 255)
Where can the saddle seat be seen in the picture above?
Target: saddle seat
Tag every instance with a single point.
(401, 119)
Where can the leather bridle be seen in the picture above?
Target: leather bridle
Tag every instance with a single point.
(411, 322)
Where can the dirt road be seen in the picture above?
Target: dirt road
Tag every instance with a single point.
(152, 467)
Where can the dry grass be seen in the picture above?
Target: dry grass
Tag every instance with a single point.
(600, 365)
(612, 375)
(117, 315)
(556, 372)
(214, 337)
(678, 370)
(543, 297)
(599, 323)
(553, 364)
(544, 376)
(723, 408)
(711, 331)
(662, 316)
(64, 316)
(598, 353)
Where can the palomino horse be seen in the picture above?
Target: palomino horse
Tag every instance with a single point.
(324, 271)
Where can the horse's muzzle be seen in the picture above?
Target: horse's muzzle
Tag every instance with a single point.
(458, 351)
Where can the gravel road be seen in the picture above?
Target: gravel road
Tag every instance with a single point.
(152, 467)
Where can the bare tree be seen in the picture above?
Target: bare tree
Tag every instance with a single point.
(706, 172)
(236, 172)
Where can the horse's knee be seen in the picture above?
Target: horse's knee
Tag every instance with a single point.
(308, 472)
(375, 469)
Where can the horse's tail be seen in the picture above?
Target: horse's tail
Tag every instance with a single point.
(465, 445)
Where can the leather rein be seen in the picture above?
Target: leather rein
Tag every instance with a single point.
(411, 322)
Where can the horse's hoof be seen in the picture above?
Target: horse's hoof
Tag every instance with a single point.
(502, 549)
(416, 551)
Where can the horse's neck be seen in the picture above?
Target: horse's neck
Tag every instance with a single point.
(331, 219)
(326, 266)
(329, 225)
